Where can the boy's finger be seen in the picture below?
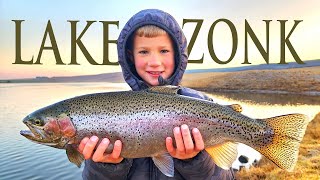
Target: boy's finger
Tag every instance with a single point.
(187, 140)
(169, 145)
(99, 153)
(89, 147)
(178, 139)
(116, 150)
(198, 139)
(82, 144)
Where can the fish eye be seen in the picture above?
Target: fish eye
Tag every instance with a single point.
(37, 122)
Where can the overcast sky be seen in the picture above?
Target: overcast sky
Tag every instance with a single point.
(305, 38)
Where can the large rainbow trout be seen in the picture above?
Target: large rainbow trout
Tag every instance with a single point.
(143, 119)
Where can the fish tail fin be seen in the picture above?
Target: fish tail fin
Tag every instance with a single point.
(287, 133)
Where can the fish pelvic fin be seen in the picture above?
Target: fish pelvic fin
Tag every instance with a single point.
(288, 131)
(223, 154)
(164, 163)
(74, 155)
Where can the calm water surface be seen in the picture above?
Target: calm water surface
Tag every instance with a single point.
(22, 159)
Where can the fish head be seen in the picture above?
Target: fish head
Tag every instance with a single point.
(49, 127)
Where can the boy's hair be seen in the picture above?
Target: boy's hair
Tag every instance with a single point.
(149, 31)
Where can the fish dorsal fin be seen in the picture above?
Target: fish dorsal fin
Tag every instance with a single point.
(164, 89)
(223, 154)
(236, 107)
(165, 164)
(74, 156)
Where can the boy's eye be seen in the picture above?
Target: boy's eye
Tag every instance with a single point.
(164, 51)
(143, 52)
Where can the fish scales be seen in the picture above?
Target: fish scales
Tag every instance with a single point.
(133, 116)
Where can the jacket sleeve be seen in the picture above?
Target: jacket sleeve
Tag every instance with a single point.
(193, 93)
(96, 171)
(202, 165)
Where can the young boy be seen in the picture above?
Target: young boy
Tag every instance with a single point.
(152, 48)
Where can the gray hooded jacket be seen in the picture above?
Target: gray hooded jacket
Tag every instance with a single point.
(199, 167)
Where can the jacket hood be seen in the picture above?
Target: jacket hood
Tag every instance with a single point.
(166, 22)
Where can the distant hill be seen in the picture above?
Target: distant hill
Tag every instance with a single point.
(105, 77)
(118, 78)
(309, 63)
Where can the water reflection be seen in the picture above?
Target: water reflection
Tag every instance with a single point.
(268, 98)
(268, 105)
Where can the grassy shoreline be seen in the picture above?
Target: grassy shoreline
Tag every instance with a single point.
(305, 81)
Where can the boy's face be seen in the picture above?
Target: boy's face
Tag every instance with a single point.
(153, 57)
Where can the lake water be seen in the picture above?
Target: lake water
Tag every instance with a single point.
(22, 159)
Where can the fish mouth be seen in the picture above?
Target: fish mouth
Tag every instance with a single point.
(38, 135)
(28, 134)
(35, 138)
(32, 133)
(35, 132)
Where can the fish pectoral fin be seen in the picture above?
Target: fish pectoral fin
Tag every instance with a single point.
(223, 154)
(74, 155)
(169, 89)
(165, 164)
(235, 107)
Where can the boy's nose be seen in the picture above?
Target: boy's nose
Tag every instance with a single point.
(154, 61)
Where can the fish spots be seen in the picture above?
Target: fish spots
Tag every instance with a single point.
(143, 120)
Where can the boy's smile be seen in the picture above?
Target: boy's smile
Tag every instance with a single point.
(153, 56)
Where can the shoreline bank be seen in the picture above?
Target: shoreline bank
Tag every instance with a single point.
(306, 93)
(298, 81)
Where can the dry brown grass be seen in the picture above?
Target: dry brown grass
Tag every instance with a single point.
(307, 167)
(295, 80)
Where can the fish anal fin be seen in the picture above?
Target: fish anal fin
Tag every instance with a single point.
(74, 156)
(284, 137)
(168, 89)
(165, 164)
(223, 154)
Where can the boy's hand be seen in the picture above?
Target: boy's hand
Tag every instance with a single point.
(87, 148)
(186, 149)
